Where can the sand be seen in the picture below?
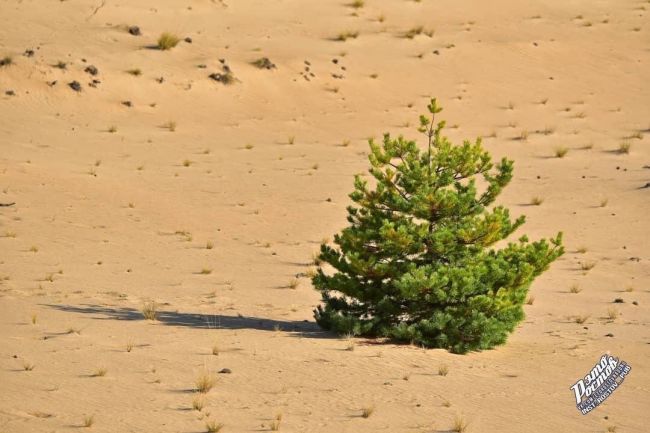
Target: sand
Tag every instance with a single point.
(210, 200)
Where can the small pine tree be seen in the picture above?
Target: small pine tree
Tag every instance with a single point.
(417, 262)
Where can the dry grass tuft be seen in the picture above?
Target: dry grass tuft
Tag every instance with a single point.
(624, 148)
(460, 424)
(149, 310)
(100, 372)
(213, 426)
(561, 152)
(205, 382)
(367, 411)
(167, 41)
(575, 288)
(581, 319)
(536, 201)
(89, 420)
(344, 36)
(443, 370)
(198, 403)
(612, 313)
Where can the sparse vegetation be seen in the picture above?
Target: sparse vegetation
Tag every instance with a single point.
(581, 319)
(575, 288)
(149, 310)
(206, 271)
(344, 36)
(294, 283)
(612, 313)
(100, 372)
(561, 152)
(204, 382)
(198, 403)
(28, 366)
(170, 125)
(129, 346)
(443, 370)
(536, 201)
(213, 426)
(366, 411)
(167, 41)
(588, 265)
(530, 300)
(89, 420)
(624, 147)
(460, 424)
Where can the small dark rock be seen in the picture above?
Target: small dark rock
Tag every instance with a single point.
(74, 85)
(635, 303)
(201, 66)
(609, 335)
(225, 371)
(335, 61)
(28, 53)
(222, 61)
(160, 80)
(436, 52)
(92, 70)
(135, 31)
(619, 301)
(10, 93)
(188, 40)
(127, 103)
(51, 83)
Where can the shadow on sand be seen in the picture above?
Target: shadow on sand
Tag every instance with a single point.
(212, 321)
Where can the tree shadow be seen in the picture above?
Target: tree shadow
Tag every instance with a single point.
(300, 328)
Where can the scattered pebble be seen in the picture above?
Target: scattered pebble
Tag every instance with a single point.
(225, 371)
(92, 70)
(74, 85)
(188, 40)
(10, 93)
(28, 53)
(135, 31)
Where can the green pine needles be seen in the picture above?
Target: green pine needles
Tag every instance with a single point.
(417, 262)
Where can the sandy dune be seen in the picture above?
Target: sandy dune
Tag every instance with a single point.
(210, 200)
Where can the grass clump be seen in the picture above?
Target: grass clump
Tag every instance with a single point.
(344, 36)
(213, 426)
(100, 372)
(581, 319)
(443, 370)
(89, 420)
(536, 201)
(167, 41)
(460, 424)
(149, 310)
(624, 148)
(367, 411)
(561, 152)
(205, 382)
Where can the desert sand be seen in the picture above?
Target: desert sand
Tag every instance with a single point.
(160, 184)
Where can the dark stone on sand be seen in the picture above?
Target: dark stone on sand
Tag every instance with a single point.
(74, 85)
(92, 70)
(225, 371)
(135, 31)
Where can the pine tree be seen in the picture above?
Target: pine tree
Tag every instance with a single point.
(418, 261)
